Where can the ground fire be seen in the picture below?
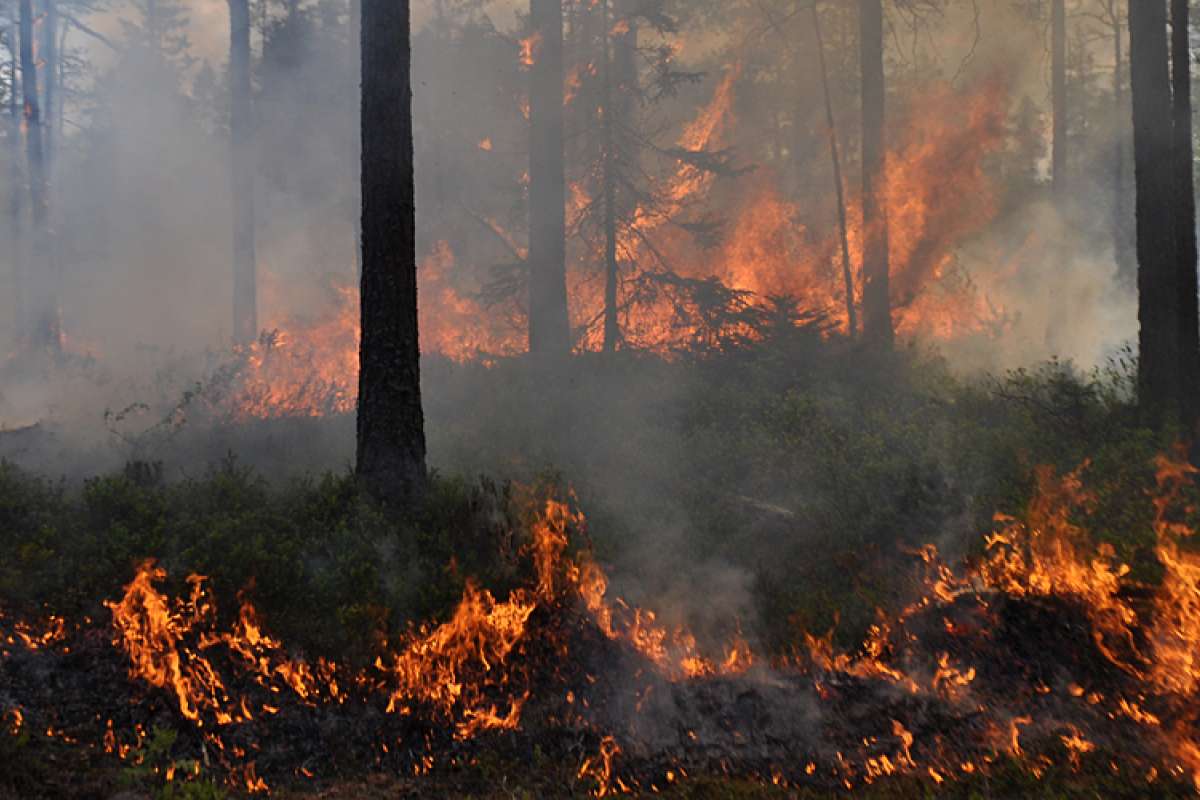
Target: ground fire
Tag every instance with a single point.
(1040, 652)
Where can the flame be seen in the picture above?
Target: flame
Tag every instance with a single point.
(309, 367)
(458, 670)
(474, 671)
(938, 193)
(530, 46)
(1045, 554)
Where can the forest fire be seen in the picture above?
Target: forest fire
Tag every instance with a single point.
(309, 367)
(328, 324)
(945, 695)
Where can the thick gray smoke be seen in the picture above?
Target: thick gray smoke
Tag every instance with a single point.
(142, 231)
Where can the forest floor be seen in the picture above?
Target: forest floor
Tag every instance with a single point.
(785, 490)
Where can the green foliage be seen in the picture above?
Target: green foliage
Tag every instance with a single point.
(152, 766)
(778, 486)
(330, 572)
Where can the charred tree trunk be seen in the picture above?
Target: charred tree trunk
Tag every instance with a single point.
(1058, 70)
(43, 316)
(1159, 311)
(241, 148)
(835, 158)
(877, 312)
(391, 429)
(1185, 210)
(549, 325)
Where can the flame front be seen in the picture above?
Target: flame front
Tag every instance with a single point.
(493, 659)
(939, 196)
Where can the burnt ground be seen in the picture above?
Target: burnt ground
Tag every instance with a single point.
(1042, 702)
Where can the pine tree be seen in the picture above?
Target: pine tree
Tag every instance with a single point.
(549, 325)
(1184, 207)
(877, 313)
(44, 331)
(1058, 81)
(1168, 338)
(242, 169)
(391, 436)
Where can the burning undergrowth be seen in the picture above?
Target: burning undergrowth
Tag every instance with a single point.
(1043, 652)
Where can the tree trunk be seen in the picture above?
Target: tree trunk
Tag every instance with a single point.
(549, 325)
(1058, 70)
(43, 316)
(241, 130)
(1123, 249)
(877, 312)
(1185, 211)
(612, 327)
(835, 158)
(625, 65)
(391, 429)
(1159, 314)
(49, 58)
(356, 154)
(15, 187)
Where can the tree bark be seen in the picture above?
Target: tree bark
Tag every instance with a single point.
(1185, 211)
(43, 318)
(391, 430)
(241, 130)
(835, 158)
(877, 313)
(1058, 70)
(549, 325)
(1159, 310)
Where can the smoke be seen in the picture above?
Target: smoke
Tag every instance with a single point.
(1063, 297)
(1005, 277)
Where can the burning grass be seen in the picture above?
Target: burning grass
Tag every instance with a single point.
(1040, 657)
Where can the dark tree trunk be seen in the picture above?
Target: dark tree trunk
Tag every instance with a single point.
(43, 315)
(612, 327)
(877, 312)
(241, 129)
(1159, 314)
(835, 158)
(1185, 211)
(391, 429)
(1058, 70)
(549, 325)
